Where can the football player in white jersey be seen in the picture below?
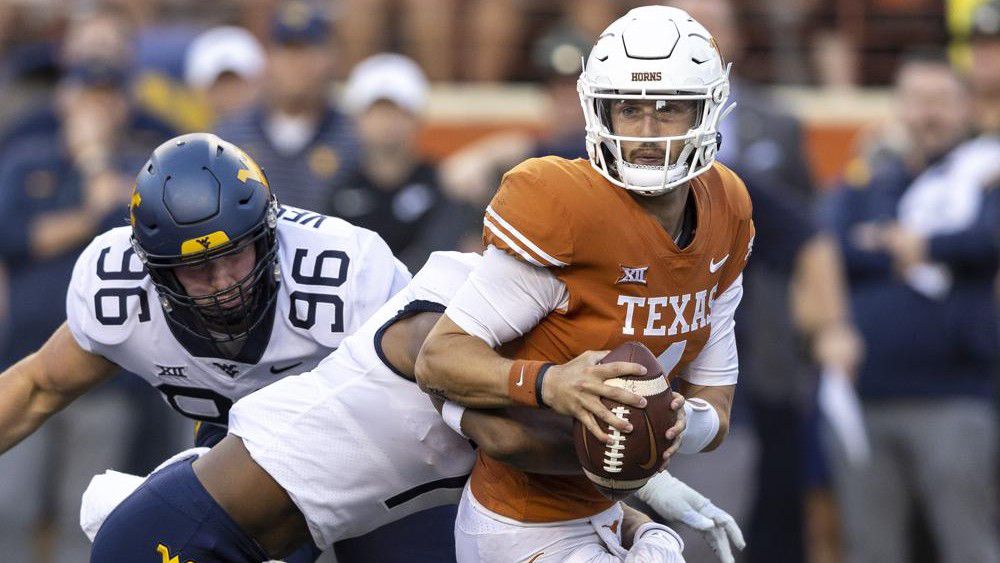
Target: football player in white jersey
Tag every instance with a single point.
(214, 292)
(352, 445)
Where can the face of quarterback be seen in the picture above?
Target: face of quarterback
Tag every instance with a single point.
(933, 106)
(651, 118)
(218, 274)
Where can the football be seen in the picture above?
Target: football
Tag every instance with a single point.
(623, 465)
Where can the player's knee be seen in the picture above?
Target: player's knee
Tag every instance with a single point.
(172, 516)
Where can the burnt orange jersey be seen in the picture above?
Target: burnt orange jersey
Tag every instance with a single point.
(626, 279)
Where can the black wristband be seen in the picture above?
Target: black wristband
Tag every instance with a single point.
(538, 384)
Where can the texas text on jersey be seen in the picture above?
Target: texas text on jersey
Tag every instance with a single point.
(332, 276)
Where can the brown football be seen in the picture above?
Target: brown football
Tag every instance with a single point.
(624, 465)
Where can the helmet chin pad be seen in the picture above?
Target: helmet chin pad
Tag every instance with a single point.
(652, 180)
(644, 176)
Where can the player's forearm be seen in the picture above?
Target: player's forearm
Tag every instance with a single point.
(720, 398)
(462, 368)
(24, 406)
(45, 382)
(532, 440)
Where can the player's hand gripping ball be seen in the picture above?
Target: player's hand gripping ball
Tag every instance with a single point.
(623, 465)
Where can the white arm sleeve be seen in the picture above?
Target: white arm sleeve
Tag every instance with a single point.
(504, 298)
(717, 364)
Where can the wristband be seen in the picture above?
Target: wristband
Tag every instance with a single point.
(702, 426)
(452, 415)
(539, 379)
(521, 382)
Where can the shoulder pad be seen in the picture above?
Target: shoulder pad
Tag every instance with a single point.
(110, 293)
(732, 185)
(443, 274)
(533, 215)
(333, 275)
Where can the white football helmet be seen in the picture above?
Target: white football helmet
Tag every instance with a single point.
(654, 53)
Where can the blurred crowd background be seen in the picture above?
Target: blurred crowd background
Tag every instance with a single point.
(865, 427)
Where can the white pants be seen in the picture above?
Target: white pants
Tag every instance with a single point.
(482, 536)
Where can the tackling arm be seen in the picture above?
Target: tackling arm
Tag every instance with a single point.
(45, 382)
(503, 299)
(461, 367)
(529, 439)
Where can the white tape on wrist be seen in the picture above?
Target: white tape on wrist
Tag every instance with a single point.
(702, 426)
(452, 415)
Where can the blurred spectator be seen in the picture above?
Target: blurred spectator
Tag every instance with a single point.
(105, 34)
(427, 30)
(793, 294)
(225, 64)
(395, 192)
(984, 74)
(835, 60)
(103, 37)
(165, 31)
(478, 40)
(62, 182)
(473, 173)
(757, 136)
(304, 145)
(918, 229)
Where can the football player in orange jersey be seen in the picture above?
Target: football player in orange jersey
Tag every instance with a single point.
(647, 241)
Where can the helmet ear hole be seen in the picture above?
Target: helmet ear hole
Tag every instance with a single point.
(708, 153)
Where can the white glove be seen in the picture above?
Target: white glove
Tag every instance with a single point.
(655, 543)
(675, 501)
(106, 491)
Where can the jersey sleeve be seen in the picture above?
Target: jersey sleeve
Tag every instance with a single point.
(504, 298)
(378, 277)
(529, 218)
(718, 363)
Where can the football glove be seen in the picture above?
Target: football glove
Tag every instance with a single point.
(675, 501)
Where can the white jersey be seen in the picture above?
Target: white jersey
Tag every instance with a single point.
(354, 444)
(333, 277)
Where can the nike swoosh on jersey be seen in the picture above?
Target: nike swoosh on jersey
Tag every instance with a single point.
(276, 370)
(714, 266)
(520, 380)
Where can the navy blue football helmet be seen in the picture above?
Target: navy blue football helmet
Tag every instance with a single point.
(199, 198)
